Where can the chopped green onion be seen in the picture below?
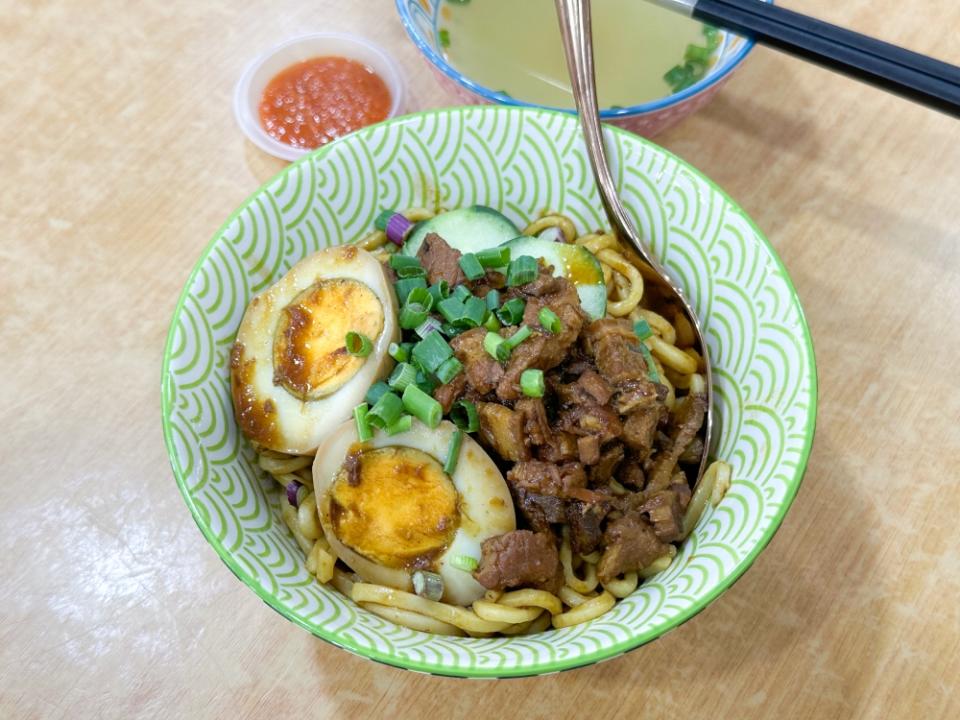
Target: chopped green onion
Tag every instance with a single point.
(712, 35)
(697, 54)
(399, 351)
(401, 424)
(448, 370)
(492, 323)
(642, 329)
(521, 271)
(679, 77)
(386, 410)
(443, 37)
(550, 321)
(464, 415)
(422, 406)
(412, 315)
(421, 296)
(518, 337)
(428, 585)
(428, 326)
(376, 391)
(426, 383)
(511, 312)
(451, 330)
(453, 454)
(452, 309)
(464, 562)
(358, 344)
(440, 290)
(395, 225)
(461, 293)
(380, 222)
(651, 366)
(403, 287)
(494, 257)
(491, 343)
(492, 299)
(474, 311)
(410, 272)
(364, 432)
(531, 383)
(402, 375)
(397, 261)
(430, 352)
(471, 266)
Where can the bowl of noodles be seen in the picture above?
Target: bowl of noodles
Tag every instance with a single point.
(425, 406)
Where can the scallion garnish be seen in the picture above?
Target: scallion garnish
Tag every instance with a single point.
(440, 290)
(448, 370)
(427, 585)
(461, 292)
(403, 287)
(364, 431)
(358, 344)
(421, 296)
(471, 266)
(474, 311)
(651, 366)
(410, 272)
(426, 383)
(642, 329)
(464, 562)
(416, 308)
(521, 270)
(697, 54)
(531, 383)
(376, 391)
(495, 257)
(395, 225)
(397, 261)
(453, 453)
(518, 337)
(511, 312)
(550, 321)
(492, 323)
(398, 351)
(451, 330)
(491, 343)
(464, 415)
(402, 375)
(451, 308)
(492, 299)
(386, 410)
(430, 352)
(422, 406)
(428, 326)
(401, 424)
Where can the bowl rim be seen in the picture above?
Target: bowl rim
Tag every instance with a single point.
(633, 642)
(388, 69)
(492, 96)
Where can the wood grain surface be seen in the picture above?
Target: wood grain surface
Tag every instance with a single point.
(121, 159)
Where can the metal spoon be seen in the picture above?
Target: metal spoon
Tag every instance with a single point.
(574, 17)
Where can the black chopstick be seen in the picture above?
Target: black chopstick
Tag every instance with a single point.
(911, 75)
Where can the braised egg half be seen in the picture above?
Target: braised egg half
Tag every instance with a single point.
(291, 377)
(388, 508)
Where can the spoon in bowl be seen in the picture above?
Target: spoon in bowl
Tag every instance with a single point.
(574, 17)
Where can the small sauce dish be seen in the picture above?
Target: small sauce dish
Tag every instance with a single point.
(249, 91)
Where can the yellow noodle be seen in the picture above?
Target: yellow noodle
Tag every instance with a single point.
(592, 558)
(373, 240)
(616, 488)
(325, 563)
(532, 598)
(493, 595)
(658, 323)
(412, 620)
(494, 612)
(342, 581)
(453, 614)
(279, 464)
(589, 581)
(703, 493)
(307, 519)
(538, 625)
(657, 566)
(671, 356)
(593, 608)
(698, 385)
(520, 628)
(572, 598)
(616, 261)
(289, 515)
(418, 214)
(721, 484)
(685, 334)
(622, 586)
(547, 221)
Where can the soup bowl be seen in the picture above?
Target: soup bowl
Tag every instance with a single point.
(520, 161)
(421, 19)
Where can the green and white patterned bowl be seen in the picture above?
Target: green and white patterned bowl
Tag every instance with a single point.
(520, 161)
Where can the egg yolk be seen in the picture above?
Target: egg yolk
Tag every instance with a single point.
(395, 506)
(310, 358)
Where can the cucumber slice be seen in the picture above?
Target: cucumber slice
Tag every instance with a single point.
(467, 229)
(573, 262)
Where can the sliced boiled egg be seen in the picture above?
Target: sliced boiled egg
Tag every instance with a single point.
(388, 508)
(291, 376)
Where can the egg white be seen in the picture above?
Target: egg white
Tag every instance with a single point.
(486, 508)
(297, 426)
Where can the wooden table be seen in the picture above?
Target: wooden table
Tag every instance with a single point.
(122, 159)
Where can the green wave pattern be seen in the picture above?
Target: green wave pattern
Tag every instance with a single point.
(521, 162)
